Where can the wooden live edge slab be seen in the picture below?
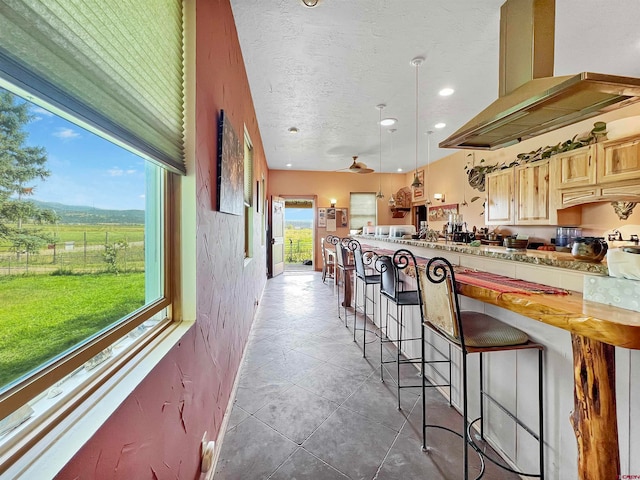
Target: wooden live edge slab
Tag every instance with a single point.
(595, 329)
(604, 323)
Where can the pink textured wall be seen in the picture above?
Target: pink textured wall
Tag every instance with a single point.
(156, 432)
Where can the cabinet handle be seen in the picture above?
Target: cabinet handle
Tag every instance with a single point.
(589, 160)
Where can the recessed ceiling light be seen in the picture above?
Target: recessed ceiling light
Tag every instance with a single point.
(399, 169)
(440, 125)
(445, 92)
(293, 130)
(288, 165)
(387, 122)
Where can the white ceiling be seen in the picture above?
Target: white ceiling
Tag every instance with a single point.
(323, 70)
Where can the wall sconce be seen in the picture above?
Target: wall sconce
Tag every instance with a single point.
(438, 197)
(310, 3)
(333, 202)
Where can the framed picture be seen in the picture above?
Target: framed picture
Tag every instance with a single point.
(418, 193)
(441, 212)
(230, 169)
(322, 217)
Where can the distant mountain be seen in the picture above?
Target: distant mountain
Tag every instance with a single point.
(299, 223)
(90, 215)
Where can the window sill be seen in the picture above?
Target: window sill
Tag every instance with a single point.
(55, 449)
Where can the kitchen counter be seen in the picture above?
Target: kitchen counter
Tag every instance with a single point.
(595, 331)
(534, 257)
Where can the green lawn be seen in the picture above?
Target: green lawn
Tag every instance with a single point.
(298, 244)
(41, 316)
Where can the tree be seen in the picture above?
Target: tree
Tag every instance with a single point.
(20, 164)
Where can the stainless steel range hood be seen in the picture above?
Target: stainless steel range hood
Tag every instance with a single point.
(532, 101)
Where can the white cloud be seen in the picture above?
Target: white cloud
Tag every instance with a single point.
(115, 172)
(143, 196)
(66, 134)
(40, 112)
(131, 172)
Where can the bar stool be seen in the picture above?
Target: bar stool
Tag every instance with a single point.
(342, 272)
(362, 260)
(327, 263)
(390, 283)
(474, 332)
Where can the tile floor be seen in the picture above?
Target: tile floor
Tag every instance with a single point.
(309, 406)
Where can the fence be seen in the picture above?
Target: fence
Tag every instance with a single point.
(66, 259)
(298, 251)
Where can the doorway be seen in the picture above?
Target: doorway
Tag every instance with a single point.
(299, 218)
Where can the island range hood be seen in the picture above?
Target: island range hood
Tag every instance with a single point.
(531, 100)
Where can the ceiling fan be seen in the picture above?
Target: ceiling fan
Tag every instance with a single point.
(357, 167)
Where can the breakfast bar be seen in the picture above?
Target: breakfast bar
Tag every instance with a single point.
(595, 330)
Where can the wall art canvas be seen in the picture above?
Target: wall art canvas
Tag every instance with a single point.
(230, 168)
(441, 212)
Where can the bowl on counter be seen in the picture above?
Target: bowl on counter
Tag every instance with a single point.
(515, 243)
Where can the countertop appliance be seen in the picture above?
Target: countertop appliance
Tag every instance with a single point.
(589, 249)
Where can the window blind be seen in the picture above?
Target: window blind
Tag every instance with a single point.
(363, 210)
(116, 65)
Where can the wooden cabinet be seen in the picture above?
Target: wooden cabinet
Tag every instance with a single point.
(499, 187)
(607, 171)
(532, 194)
(525, 195)
(618, 160)
(576, 168)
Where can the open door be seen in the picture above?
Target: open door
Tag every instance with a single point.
(277, 236)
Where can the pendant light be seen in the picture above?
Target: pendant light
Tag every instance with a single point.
(392, 201)
(380, 195)
(416, 62)
(428, 199)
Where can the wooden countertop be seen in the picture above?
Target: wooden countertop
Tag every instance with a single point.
(607, 324)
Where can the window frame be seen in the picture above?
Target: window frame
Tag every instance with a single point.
(29, 388)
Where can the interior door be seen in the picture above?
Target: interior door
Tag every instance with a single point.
(277, 236)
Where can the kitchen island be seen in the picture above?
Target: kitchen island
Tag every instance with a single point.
(594, 330)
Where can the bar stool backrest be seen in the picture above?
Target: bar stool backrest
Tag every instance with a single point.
(356, 248)
(388, 276)
(440, 303)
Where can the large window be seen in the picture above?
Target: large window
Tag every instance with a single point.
(82, 255)
(363, 210)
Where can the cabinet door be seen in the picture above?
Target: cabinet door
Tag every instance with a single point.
(619, 160)
(499, 207)
(576, 168)
(532, 194)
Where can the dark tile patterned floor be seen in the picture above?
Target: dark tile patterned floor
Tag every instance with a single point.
(309, 406)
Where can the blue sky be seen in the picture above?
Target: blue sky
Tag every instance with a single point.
(85, 169)
(298, 214)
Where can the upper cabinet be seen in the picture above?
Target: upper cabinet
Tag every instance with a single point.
(576, 168)
(524, 195)
(607, 171)
(619, 160)
(532, 194)
(499, 204)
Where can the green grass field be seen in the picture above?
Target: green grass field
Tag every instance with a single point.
(298, 245)
(94, 234)
(86, 254)
(41, 315)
